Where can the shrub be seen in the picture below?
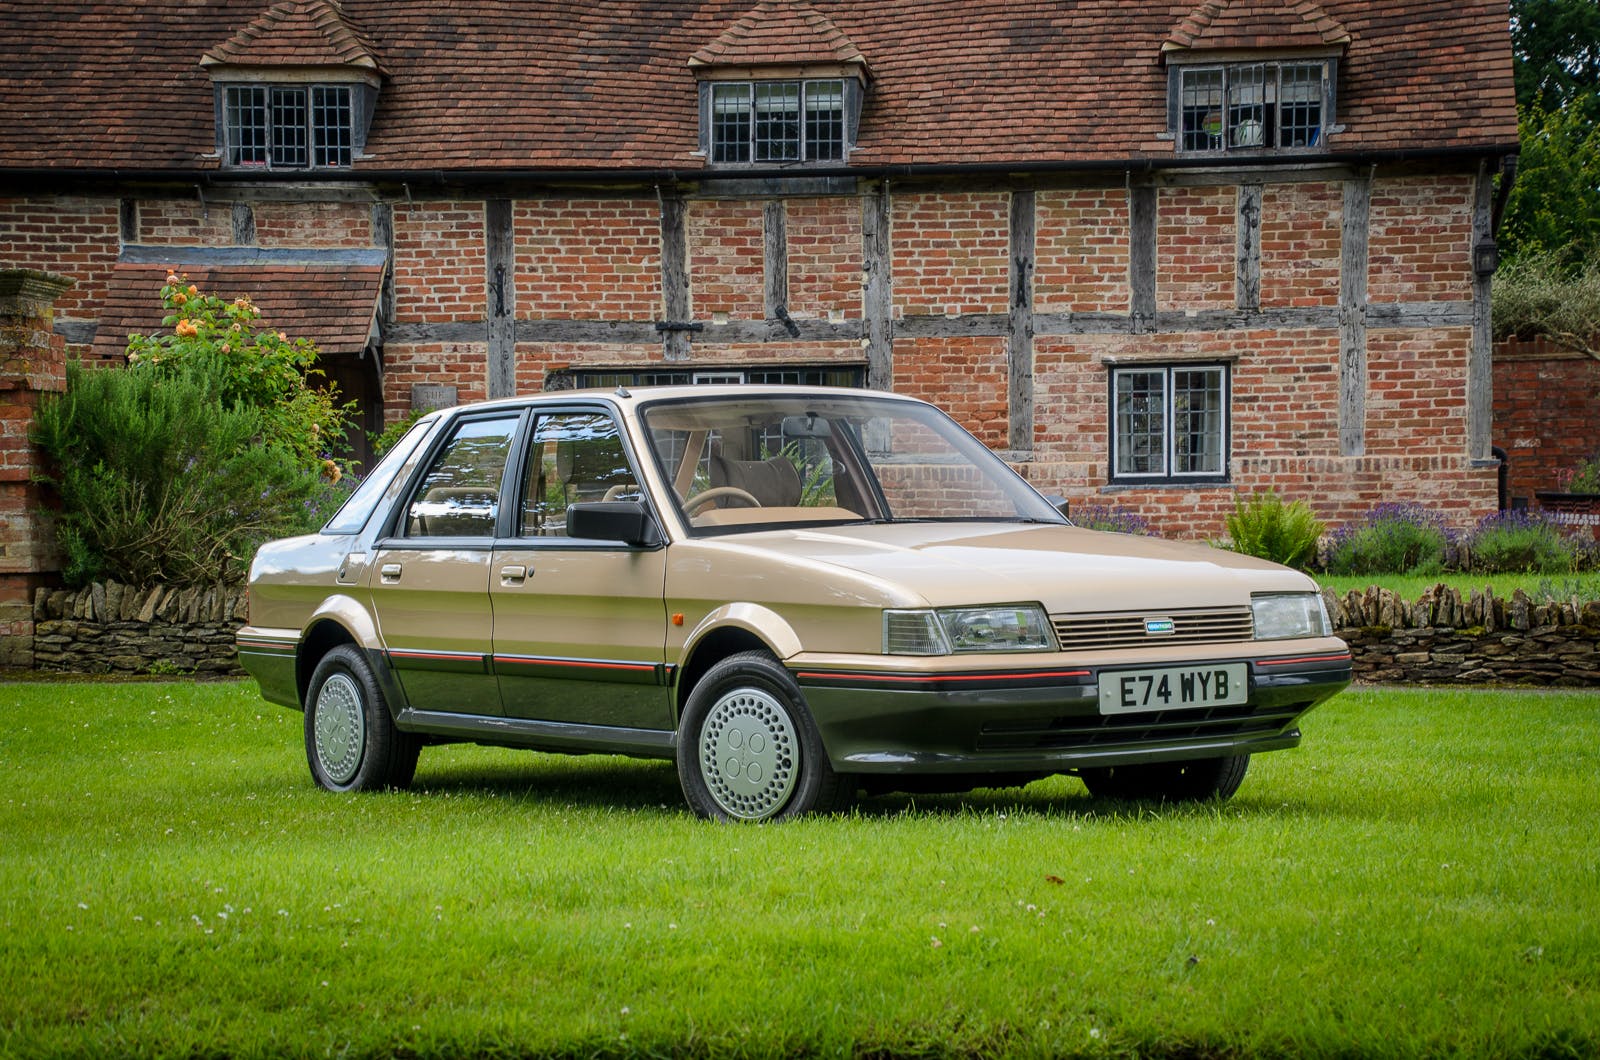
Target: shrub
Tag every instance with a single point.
(1584, 478)
(161, 481)
(1391, 539)
(249, 366)
(1111, 520)
(1266, 527)
(1520, 542)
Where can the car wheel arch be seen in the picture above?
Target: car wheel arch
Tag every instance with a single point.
(319, 638)
(710, 647)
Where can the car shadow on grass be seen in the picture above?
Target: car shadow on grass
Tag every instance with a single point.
(612, 784)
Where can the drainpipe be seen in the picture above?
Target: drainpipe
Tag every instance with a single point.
(1503, 474)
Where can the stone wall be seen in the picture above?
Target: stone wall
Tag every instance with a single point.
(1445, 639)
(110, 628)
(1441, 639)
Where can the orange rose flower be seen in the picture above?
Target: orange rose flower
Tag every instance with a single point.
(186, 329)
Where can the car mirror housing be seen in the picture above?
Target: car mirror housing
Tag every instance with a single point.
(627, 521)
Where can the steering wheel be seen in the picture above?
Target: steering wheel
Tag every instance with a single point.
(619, 489)
(692, 506)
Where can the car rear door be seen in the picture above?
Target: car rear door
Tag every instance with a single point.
(431, 572)
(579, 626)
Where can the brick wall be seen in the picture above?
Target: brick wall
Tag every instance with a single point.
(1301, 244)
(1081, 251)
(1420, 243)
(439, 262)
(1196, 235)
(588, 259)
(824, 258)
(321, 224)
(71, 236)
(964, 376)
(1546, 413)
(951, 253)
(184, 222)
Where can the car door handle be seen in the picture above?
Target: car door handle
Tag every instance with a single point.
(389, 572)
(512, 575)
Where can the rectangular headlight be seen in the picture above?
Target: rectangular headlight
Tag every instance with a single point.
(1013, 627)
(1287, 616)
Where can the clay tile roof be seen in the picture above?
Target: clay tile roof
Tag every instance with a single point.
(1257, 24)
(332, 305)
(779, 34)
(295, 33)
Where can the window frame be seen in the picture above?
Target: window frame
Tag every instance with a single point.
(329, 145)
(1230, 72)
(846, 88)
(1169, 434)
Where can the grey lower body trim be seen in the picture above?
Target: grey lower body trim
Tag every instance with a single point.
(538, 735)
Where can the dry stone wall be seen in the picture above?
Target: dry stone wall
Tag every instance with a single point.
(111, 628)
(1443, 638)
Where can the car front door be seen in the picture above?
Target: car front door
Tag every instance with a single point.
(430, 574)
(579, 626)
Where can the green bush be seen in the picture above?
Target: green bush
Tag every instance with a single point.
(1391, 539)
(1520, 542)
(1264, 526)
(160, 481)
(249, 366)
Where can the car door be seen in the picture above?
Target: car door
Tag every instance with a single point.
(579, 626)
(430, 573)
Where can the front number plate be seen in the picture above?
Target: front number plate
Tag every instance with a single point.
(1175, 688)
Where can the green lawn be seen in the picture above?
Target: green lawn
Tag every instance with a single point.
(1421, 878)
(1541, 587)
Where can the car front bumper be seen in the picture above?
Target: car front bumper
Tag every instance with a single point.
(1048, 719)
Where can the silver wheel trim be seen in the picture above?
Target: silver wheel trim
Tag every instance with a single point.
(339, 731)
(749, 754)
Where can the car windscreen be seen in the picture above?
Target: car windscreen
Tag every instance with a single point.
(354, 512)
(739, 463)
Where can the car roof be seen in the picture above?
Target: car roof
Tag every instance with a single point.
(626, 397)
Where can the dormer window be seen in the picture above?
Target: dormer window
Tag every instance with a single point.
(777, 121)
(1252, 106)
(295, 89)
(289, 126)
(780, 86)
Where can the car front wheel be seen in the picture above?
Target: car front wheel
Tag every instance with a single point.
(748, 749)
(351, 741)
(1190, 781)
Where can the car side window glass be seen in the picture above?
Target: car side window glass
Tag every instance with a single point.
(577, 456)
(459, 495)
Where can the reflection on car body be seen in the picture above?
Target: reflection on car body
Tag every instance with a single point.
(796, 593)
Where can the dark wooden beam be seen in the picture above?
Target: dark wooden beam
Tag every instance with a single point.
(1247, 274)
(1353, 318)
(1142, 203)
(500, 280)
(675, 275)
(877, 291)
(1019, 329)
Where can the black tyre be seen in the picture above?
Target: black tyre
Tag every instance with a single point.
(748, 749)
(351, 741)
(1191, 781)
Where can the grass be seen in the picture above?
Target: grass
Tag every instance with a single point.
(1586, 586)
(1420, 879)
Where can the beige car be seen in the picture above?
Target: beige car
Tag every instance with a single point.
(796, 593)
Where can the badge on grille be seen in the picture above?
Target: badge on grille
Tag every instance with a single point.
(1160, 627)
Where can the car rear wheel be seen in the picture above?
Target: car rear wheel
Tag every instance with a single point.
(1190, 781)
(351, 741)
(748, 749)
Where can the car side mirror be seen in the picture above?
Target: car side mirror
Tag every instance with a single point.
(1060, 504)
(629, 522)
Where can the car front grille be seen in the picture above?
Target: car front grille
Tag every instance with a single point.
(1115, 630)
(1089, 731)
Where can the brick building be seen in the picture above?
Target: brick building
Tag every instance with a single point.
(1158, 253)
